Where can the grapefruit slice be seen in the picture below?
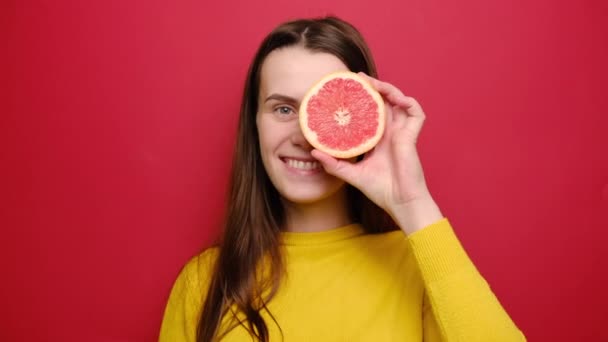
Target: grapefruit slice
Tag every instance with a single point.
(342, 115)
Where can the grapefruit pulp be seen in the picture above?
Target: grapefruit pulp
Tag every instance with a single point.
(342, 115)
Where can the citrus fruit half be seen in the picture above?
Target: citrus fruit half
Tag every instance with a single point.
(342, 115)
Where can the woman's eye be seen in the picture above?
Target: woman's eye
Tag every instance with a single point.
(284, 110)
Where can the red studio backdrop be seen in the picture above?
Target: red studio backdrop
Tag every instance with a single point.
(118, 126)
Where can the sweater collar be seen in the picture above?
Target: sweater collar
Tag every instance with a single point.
(322, 237)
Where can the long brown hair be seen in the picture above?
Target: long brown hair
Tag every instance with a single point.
(255, 215)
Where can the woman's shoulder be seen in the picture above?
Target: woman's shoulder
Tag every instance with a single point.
(396, 241)
(388, 244)
(392, 236)
(187, 296)
(198, 269)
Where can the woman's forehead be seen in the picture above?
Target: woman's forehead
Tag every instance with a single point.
(291, 71)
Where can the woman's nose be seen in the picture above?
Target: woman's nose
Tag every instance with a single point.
(297, 138)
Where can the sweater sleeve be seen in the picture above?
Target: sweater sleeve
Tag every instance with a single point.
(182, 311)
(458, 304)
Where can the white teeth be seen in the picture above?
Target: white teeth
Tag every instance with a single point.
(298, 164)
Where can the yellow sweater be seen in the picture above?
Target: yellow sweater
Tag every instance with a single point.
(345, 285)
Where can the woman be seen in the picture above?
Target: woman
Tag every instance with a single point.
(319, 249)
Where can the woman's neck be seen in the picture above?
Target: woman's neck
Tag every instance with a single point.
(328, 213)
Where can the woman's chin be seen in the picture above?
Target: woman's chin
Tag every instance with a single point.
(310, 195)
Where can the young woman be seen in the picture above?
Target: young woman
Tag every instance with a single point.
(319, 249)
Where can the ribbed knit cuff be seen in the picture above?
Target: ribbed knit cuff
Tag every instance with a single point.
(438, 251)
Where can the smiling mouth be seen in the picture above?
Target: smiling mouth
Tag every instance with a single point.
(302, 165)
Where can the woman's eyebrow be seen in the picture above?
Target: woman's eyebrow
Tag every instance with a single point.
(283, 98)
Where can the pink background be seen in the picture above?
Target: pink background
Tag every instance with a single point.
(118, 123)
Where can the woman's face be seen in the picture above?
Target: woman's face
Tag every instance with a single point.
(286, 75)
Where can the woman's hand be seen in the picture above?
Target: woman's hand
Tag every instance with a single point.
(391, 174)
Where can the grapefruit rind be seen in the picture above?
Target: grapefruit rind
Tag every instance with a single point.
(311, 136)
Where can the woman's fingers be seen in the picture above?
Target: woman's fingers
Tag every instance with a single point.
(383, 88)
(342, 169)
(394, 96)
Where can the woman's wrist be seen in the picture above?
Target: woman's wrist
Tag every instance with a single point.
(416, 214)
